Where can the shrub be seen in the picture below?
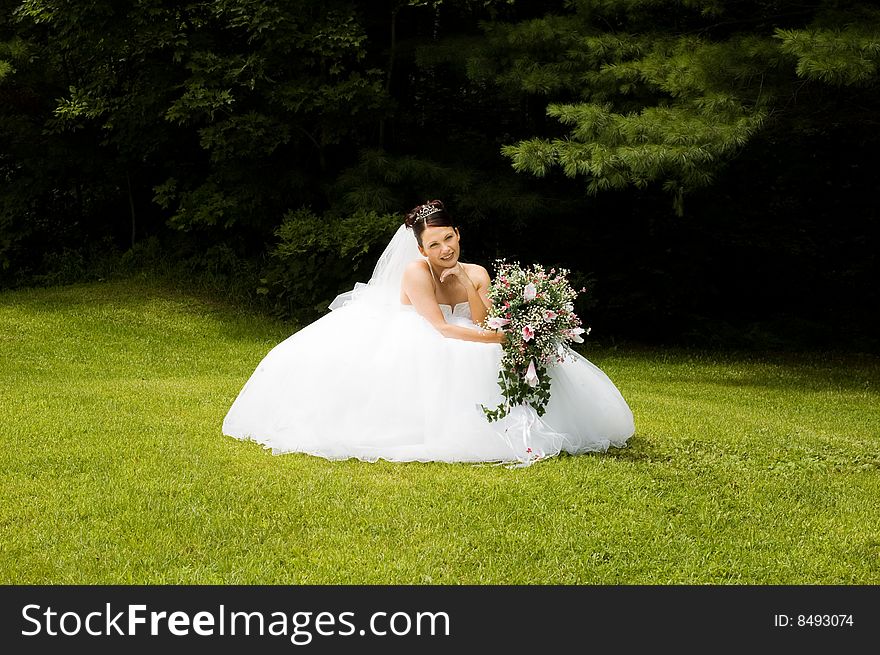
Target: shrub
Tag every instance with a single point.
(317, 257)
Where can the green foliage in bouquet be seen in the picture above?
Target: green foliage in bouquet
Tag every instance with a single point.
(535, 308)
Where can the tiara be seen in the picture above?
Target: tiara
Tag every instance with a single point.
(425, 211)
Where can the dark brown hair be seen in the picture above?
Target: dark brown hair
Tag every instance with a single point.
(430, 214)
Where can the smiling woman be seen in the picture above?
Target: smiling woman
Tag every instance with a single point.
(400, 368)
(441, 279)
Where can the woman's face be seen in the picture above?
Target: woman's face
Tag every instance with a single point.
(440, 246)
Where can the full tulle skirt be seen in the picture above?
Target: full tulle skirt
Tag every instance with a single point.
(377, 384)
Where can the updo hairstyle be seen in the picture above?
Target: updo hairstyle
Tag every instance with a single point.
(430, 214)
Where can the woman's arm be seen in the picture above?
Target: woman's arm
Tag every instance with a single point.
(418, 288)
(475, 281)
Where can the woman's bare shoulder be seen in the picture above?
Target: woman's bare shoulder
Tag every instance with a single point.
(416, 268)
(475, 270)
(474, 267)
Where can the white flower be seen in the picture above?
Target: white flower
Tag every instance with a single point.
(532, 375)
(529, 292)
(496, 322)
(575, 334)
(549, 315)
(528, 333)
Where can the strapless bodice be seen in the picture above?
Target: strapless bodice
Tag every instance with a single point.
(459, 310)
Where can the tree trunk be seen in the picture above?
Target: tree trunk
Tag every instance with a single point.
(131, 207)
(391, 55)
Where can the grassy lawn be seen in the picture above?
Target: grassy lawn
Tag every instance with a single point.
(745, 469)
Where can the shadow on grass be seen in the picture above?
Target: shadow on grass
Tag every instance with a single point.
(141, 294)
(797, 371)
(639, 449)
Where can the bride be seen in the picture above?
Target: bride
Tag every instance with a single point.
(399, 370)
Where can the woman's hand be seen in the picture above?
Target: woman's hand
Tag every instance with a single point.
(457, 273)
(496, 336)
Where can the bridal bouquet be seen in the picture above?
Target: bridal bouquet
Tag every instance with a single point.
(535, 309)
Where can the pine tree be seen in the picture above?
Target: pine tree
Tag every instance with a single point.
(667, 91)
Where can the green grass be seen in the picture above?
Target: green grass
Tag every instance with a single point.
(745, 469)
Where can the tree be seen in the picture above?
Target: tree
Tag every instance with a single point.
(262, 135)
(668, 91)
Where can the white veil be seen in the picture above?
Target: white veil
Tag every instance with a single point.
(384, 285)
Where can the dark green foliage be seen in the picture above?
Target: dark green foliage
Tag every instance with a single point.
(668, 92)
(190, 135)
(317, 257)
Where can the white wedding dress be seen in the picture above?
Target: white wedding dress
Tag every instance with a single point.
(374, 380)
